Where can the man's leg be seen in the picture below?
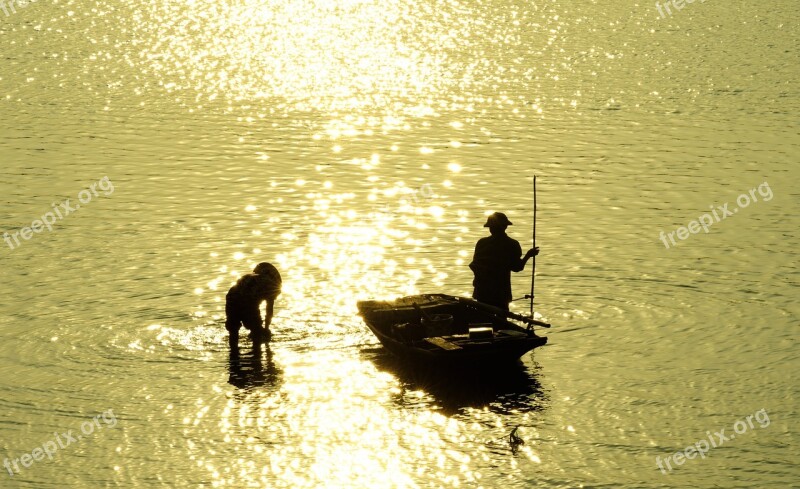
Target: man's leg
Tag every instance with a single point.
(232, 322)
(252, 321)
(233, 332)
(478, 295)
(498, 303)
(491, 299)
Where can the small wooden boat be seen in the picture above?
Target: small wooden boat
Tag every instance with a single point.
(445, 330)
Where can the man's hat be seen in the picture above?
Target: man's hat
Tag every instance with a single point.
(497, 219)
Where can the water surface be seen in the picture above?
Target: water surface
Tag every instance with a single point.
(358, 146)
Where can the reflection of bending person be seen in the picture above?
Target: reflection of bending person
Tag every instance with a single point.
(242, 304)
(496, 256)
(249, 370)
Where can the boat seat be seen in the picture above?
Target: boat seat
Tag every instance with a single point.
(442, 343)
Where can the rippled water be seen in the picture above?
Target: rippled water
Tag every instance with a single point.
(358, 145)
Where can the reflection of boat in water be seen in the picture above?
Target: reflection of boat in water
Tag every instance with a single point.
(512, 389)
(444, 330)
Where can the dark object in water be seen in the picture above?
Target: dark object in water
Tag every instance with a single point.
(514, 439)
(445, 330)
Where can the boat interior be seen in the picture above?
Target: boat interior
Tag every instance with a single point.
(419, 317)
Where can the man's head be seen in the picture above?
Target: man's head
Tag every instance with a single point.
(497, 223)
(268, 270)
(264, 268)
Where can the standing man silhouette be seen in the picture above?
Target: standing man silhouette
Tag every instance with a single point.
(496, 256)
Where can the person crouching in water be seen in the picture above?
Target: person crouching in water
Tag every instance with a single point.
(243, 303)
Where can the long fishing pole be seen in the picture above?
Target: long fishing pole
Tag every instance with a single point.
(533, 271)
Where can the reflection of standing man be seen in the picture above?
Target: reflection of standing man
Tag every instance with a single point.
(495, 257)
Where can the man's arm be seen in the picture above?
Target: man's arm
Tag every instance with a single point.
(473, 265)
(520, 265)
(270, 310)
(530, 254)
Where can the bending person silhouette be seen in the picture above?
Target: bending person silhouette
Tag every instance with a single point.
(243, 303)
(496, 256)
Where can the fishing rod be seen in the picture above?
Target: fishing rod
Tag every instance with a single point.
(501, 312)
(533, 268)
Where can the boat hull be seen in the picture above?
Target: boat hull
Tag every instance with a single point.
(454, 345)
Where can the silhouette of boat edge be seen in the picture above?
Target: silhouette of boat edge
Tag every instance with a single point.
(445, 330)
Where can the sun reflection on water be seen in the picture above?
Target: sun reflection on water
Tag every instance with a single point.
(318, 408)
(332, 55)
(310, 426)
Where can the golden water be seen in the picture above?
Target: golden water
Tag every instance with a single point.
(358, 146)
